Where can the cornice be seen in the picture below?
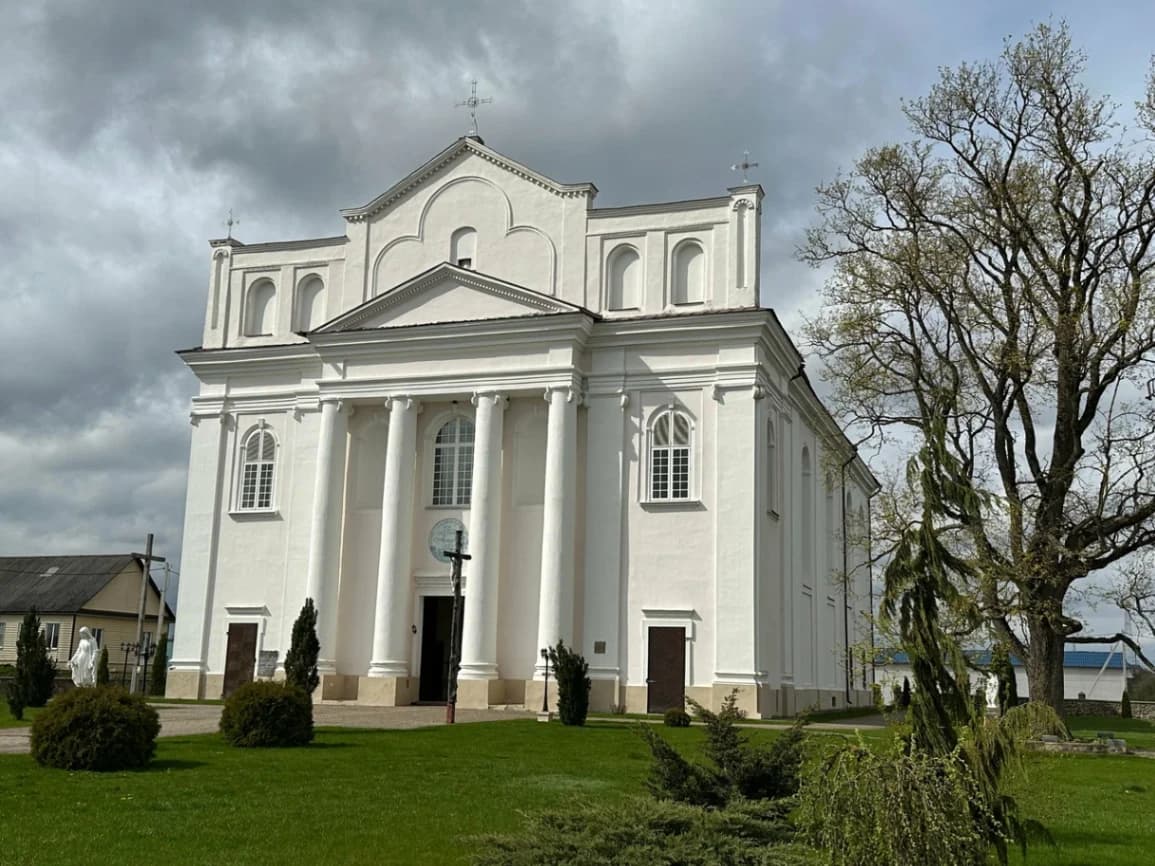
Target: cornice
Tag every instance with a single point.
(437, 275)
(277, 246)
(450, 155)
(660, 207)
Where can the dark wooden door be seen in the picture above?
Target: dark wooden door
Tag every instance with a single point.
(240, 656)
(666, 669)
(436, 623)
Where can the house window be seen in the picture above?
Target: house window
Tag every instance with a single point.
(257, 470)
(453, 463)
(806, 519)
(98, 636)
(670, 456)
(2, 625)
(52, 635)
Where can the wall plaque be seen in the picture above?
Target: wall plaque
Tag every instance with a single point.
(266, 663)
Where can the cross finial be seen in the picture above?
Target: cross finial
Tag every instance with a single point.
(471, 103)
(744, 166)
(230, 222)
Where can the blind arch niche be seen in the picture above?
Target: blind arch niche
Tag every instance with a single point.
(625, 279)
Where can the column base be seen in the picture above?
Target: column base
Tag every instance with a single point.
(336, 687)
(385, 691)
(477, 671)
(389, 668)
(533, 693)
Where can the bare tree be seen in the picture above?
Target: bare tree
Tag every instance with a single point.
(995, 275)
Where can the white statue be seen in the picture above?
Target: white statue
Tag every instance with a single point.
(992, 691)
(83, 661)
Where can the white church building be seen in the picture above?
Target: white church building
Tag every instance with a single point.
(594, 395)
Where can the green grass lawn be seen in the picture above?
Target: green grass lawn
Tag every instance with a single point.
(417, 796)
(1139, 733)
(6, 720)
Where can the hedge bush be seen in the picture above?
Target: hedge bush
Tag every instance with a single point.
(100, 728)
(643, 832)
(266, 713)
(676, 717)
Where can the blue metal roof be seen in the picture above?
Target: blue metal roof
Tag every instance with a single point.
(1071, 659)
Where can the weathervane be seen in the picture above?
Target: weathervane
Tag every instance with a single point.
(472, 104)
(744, 166)
(230, 222)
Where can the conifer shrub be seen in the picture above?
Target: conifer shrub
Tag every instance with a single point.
(739, 769)
(876, 698)
(1125, 705)
(35, 673)
(676, 717)
(158, 676)
(102, 675)
(896, 696)
(643, 832)
(101, 728)
(904, 697)
(573, 684)
(264, 713)
(304, 649)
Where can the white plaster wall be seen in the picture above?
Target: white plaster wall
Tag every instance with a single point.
(520, 228)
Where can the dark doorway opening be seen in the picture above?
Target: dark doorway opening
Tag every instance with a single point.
(436, 622)
(666, 671)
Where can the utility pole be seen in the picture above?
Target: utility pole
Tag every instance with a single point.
(457, 557)
(146, 563)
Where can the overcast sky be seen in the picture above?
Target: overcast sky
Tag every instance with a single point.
(129, 128)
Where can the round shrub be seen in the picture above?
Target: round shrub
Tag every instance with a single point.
(676, 717)
(268, 714)
(101, 728)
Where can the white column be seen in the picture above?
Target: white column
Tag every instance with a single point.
(321, 577)
(390, 633)
(479, 629)
(555, 610)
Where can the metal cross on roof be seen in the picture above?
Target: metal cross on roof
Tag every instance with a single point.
(744, 166)
(472, 104)
(230, 222)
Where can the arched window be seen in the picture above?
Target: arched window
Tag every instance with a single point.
(463, 247)
(310, 303)
(807, 517)
(625, 279)
(689, 273)
(670, 456)
(259, 308)
(771, 466)
(453, 463)
(258, 457)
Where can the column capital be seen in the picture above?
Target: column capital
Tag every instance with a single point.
(403, 402)
(499, 398)
(573, 394)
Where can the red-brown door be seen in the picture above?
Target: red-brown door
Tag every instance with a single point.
(240, 656)
(666, 669)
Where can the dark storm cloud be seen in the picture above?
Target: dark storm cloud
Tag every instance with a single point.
(130, 127)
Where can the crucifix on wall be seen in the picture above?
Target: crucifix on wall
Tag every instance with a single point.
(456, 557)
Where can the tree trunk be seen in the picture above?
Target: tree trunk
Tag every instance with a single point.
(1045, 663)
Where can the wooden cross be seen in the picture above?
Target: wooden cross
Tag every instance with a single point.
(456, 557)
(744, 166)
(471, 103)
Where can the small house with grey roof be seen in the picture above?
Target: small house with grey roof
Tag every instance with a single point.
(70, 592)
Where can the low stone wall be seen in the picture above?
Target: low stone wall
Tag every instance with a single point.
(1139, 709)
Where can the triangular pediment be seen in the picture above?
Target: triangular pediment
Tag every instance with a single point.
(444, 294)
(462, 149)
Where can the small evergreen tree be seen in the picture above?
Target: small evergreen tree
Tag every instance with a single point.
(35, 669)
(1002, 667)
(1125, 705)
(904, 698)
(573, 684)
(102, 675)
(158, 677)
(301, 660)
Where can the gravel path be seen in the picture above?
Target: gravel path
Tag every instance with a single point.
(178, 720)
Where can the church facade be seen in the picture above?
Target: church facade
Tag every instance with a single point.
(594, 396)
